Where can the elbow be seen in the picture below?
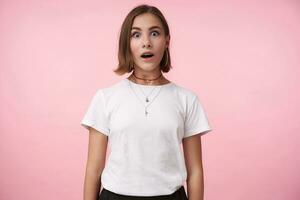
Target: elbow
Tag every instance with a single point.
(196, 172)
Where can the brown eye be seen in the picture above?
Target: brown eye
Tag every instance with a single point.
(134, 34)
(156, 33)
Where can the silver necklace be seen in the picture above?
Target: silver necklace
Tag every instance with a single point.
(146, 96)
(147, 100)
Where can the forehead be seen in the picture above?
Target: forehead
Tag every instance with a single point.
(146, 20)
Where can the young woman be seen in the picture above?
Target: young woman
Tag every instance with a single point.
(144, 118)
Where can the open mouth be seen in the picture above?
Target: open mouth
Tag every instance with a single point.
(147, 55)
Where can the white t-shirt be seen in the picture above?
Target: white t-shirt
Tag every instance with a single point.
(146, 157)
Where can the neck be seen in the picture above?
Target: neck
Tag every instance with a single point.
(145, 79)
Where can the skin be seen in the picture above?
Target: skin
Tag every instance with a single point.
(193, 160)
(144, 40)
(96, 157)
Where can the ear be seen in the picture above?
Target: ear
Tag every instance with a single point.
(167, 41)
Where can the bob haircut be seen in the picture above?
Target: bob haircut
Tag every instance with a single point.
(126, 62)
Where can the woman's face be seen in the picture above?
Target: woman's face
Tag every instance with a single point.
(147, 35)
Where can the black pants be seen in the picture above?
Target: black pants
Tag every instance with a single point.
(177, 195)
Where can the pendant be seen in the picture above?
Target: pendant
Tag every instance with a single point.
(146, 112)
(147, 100)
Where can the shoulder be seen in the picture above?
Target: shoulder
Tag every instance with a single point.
(111, 89)
(186, 93)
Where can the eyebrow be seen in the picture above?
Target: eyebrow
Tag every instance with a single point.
(152, 27)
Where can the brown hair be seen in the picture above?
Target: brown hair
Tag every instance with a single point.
(124, 55)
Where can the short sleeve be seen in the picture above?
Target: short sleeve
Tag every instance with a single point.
(95, 115)
(196, 120)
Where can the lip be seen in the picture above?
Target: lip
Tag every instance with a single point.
(148, 59)
(147, 52)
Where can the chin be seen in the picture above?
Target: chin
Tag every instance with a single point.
(148, 67)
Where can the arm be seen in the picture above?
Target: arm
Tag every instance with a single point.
(193, 161)
(95, 164)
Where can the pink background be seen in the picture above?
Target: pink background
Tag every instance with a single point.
(241, 57)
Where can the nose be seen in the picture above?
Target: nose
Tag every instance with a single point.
(146, 42)
(147, 45)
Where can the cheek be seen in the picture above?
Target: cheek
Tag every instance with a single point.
(134, 47)
(161, 49)
(160, 44)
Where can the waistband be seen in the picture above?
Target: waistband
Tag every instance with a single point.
(178, 194)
